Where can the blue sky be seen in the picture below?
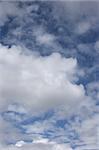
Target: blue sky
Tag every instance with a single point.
(49, 75)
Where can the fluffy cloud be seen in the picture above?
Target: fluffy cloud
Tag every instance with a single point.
(38, 82)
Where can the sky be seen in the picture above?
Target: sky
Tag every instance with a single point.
(49, 75)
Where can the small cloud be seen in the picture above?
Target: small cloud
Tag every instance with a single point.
(19, 143)
(44, 38)
(82, 27)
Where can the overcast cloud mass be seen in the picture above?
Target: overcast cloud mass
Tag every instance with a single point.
(49, 75)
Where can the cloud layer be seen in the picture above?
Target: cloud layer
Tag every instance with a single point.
(38, 146)
(49, 89)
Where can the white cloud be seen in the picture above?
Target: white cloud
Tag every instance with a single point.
(6, 131)
(83, 27)
(44, 38)
(38, 82)
(19, 143)
(89, 133)
(38, 146)
(17, 108)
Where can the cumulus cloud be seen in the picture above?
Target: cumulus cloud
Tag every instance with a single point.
(38, 82)
(29, 81)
